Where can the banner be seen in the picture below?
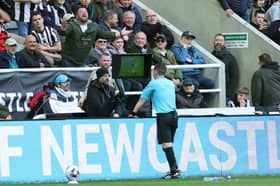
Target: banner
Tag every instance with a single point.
(17, 87)
(126, 148)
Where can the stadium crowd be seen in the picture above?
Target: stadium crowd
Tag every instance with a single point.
(79, 33)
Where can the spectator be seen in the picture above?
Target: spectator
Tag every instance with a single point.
(265, 83)
(61, 99)
(4, 16)
(231, 65)
(259, 22)
(87, 5)
(240, 99)
(257, 5)
(5, 113)
(167, 58)
(101, 6)
(110, 21)
(189, 96)
(186, 53)
(101, 98)
(152, 27)
(126, 5)
(7, 11)
(104, 62)
(240, 7)
(48, 12)
(139, 44)
(29, 57)
(80, 35)
(61, 8)
(47, 38)
(3, 37)
(128, 23)
(273, 13)
(8, 58)
(95, 53)
(117, 46)
(23, 11)
(273, 18)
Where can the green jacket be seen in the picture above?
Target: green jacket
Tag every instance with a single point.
(78, 44)
(169, 59)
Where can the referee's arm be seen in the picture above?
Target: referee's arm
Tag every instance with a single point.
(138, 105)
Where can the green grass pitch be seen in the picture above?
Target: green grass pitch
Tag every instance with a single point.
(235, 181)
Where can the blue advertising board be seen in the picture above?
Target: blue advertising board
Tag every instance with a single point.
(126, 148)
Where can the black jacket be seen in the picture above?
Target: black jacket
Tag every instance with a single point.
(265, 85)
(231, 70)
(194, 100)
(101, 100)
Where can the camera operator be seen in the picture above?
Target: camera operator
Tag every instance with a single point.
(101, 99)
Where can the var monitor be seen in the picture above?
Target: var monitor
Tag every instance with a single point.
(131, 66)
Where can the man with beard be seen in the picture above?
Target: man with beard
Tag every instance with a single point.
(101, 98)
(231, 66)
(80, 35)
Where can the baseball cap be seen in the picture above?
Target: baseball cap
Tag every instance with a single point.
(188, 82)
(10, 42)
(62, 78)
(160, 36)
(188, 34)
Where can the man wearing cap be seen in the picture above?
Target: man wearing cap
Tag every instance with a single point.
(167, 57)
(185, 53)
(61, 99)
(8, 58)
(101, 98)
(189, 96)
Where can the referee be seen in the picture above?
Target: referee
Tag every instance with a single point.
(162, 92)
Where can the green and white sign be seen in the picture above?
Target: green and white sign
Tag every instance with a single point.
(236, 40)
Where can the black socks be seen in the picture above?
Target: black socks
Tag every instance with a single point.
(170, 156)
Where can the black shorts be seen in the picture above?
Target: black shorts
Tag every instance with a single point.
(167, 124)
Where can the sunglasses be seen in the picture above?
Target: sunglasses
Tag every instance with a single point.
(160, 40)
(101, 41)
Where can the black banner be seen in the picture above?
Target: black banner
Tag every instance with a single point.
(18, 86)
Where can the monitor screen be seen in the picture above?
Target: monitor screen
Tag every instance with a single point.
(131, 65)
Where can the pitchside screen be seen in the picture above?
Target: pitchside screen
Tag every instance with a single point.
(131, 65)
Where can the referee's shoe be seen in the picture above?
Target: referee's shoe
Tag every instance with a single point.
(170, 175)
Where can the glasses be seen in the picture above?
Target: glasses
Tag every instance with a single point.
(160, 40)
(151, 16)
(101, 41)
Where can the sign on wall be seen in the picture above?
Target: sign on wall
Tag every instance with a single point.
(236, 40)
(39, 151)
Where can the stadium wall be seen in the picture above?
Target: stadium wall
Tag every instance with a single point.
(126, 148)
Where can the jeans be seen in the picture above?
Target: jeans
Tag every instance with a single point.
(23, 28)
(68, 63)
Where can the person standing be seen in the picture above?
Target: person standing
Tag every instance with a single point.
(231, 66)
(265, 83)
(240, 7)
(162, 93)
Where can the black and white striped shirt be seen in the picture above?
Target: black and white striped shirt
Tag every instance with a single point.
(48, 36)
(23, 11)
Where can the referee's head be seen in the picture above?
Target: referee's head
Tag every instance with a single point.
(159, 70)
